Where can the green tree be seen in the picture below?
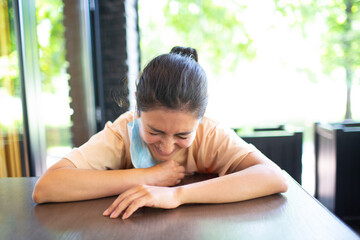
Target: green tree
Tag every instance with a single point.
(51, 42)
(217, 29)
(214, 28)
(341, 45)
(9, 74)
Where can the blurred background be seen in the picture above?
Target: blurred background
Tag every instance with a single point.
(67, 67)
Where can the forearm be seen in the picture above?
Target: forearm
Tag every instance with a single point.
(256, 181)
(72, 184)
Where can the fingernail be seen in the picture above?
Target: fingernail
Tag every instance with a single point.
(105, 213)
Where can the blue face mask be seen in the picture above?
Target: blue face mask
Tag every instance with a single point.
(140, 154)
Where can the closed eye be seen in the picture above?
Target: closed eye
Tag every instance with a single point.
(184, 138)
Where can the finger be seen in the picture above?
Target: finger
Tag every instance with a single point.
(181, 169)
(174, 162)
(182, 175)
(119, 199)
(170, 163)
(135, 205)
(111, 208)
(176, 182)
(125, 204)
(179, 175)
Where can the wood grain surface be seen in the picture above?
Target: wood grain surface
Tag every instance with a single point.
(293, 215)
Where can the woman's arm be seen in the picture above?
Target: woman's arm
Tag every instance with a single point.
(64, 182)
(256, 176)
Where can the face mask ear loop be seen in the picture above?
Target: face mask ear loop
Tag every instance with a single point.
(133, 120)
(130, 126)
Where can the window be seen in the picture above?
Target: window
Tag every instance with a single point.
(54, 79)
(11, 112)
(39, 59)
(265, 67)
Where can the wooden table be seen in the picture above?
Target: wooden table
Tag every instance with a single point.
(293, 215)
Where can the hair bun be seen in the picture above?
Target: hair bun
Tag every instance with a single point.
(188, 52)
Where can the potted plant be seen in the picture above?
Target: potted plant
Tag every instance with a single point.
(337, 145)
(282, 145)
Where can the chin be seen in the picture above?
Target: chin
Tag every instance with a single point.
(164, 158)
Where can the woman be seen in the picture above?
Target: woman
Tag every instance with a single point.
(143, 155)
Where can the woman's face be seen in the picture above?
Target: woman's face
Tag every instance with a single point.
(167, 131)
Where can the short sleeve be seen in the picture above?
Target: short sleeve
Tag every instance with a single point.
(104, 151)
(221, 149)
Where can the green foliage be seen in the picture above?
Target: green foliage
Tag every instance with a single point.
(12, 26)
(9, 73)
(214, 28)
(340, 46)
(9, 65)
(51, 42)
(51, 47)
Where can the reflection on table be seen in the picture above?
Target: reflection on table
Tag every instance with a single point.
(293, 215)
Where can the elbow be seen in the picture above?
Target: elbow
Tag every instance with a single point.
(283, 186)
(36, 197)
(279, 181)
(282, 183)
(39, 193)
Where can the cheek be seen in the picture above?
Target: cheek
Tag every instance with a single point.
(148, 138)
(185, 143)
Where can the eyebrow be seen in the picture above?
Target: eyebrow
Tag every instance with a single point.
(159, 131)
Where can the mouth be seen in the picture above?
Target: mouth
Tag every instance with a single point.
(162, 154)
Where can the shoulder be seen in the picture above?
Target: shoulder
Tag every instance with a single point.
(211, 128)
(125, 118)
(207, 125)
(120, 124)
(217, 148)
(119, 127)
(213, 134)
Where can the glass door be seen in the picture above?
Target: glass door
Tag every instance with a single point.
(54, 78)
(42, 52)
(13, 160)
(65, 62)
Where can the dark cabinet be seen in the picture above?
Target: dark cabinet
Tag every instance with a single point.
(337, 155)
(281, 146)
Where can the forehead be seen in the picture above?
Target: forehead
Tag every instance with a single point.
(169, 121)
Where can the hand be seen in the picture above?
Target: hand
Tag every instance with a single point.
(140, 196)
(168, 173)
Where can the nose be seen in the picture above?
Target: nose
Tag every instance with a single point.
(167, 146)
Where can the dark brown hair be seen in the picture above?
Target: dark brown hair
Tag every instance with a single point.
(175, 81)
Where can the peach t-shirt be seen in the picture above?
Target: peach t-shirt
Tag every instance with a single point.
(214, 150)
